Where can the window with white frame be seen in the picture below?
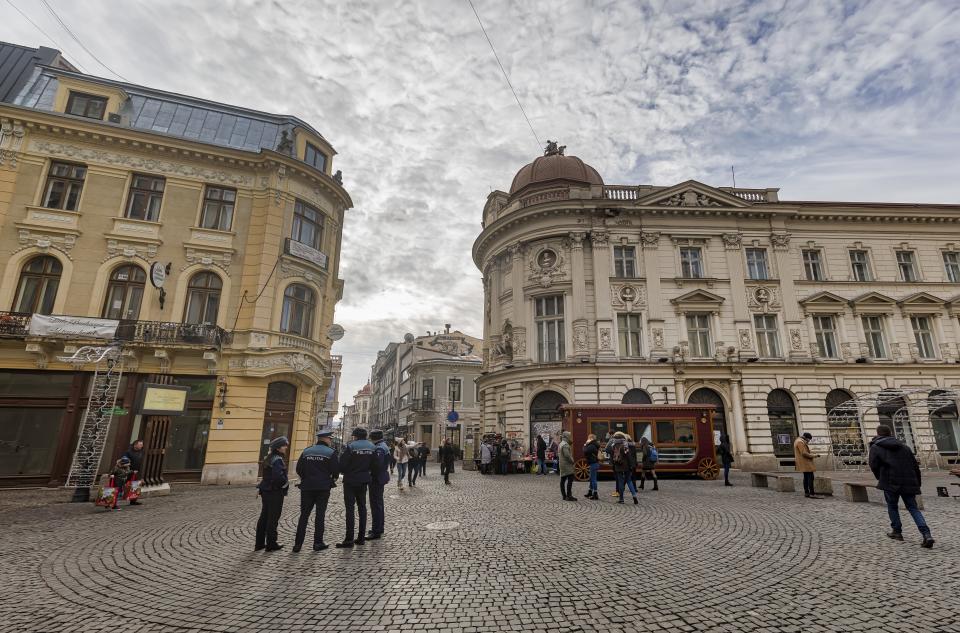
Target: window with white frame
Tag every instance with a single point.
(757, 267)
(907, 266)
(826, 331)
(698, 334)
(455, 390)
(951, 264)
(691, 262)
(813, 265)
(628, 330)
(923, 336)
(873, 332)
(549, 323)
(860, 265)
(624, 261)
(768, 340)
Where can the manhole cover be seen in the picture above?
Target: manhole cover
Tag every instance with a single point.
(443, 525)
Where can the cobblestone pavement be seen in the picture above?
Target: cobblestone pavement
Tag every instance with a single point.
(694, 556)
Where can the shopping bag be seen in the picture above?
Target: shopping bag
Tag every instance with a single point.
(132, 489)
(534, 468)
(106, 495)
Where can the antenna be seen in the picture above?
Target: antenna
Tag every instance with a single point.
(733, 175)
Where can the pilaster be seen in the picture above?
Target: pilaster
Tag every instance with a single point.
(600, 242)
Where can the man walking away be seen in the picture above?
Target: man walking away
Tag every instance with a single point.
(725, 453)
(381, 455)
(591, 452)
(504, 456)
(898, 476)
(565, 466)
(413, 466)
(318, 468)
(541, 455)
(448, 455)
(648, 463)
(803, 459)
(423, 452)
(359, 469)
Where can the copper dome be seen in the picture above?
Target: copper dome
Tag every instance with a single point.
(552, 168)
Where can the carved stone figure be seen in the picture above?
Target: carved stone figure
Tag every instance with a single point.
(338, 177)
(552, 149)
(780, 240)
(580, 342)
(658, 338)
(605, 338)
(796, 341)
(650, 239)
(744, 338)
(732, 241)
(285, 144)
(504, 348)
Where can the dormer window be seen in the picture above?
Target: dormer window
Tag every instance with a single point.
(316, 158)
(87, 106)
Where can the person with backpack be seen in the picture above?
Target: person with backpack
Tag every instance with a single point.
(623, 456)
(591, 453)
(898, 476)
(565, 466)
(413, 466)
(648, 463)
(725, 453)
(402, 457)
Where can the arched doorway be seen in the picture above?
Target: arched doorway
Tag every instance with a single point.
(545, 417)
(945, 423)
(846, 432)
(783, 423)
(636, 396)
(892, 411)
(278, 414)
(705, 395)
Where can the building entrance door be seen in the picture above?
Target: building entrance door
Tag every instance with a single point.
(278, 414)
(705, 395)
(426, 435)
(545, 417)
(783, 425)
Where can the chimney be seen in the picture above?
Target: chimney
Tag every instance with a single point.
(447, 325)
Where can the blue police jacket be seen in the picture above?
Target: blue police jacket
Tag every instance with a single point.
(274, 474)
(381, 456)
(357, 462)
(318, 468)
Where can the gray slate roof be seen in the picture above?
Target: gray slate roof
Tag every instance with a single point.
(17, 64)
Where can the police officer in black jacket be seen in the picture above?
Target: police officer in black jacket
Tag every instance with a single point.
(381, 456)
(359, 468)
(318, 468)
(272, 489)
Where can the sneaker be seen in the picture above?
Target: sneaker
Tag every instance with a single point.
(927, 543)
(296, 549)
(897, 536)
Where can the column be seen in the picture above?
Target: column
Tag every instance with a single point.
(650, 242)
(742, 324)
(679, 390)
(738, 424)
(600, 241)
(520, 352)
(792, 319)
(581, 324)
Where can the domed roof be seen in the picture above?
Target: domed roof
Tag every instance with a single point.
(555, 167)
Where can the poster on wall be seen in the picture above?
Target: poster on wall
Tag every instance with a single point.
(156, 399)
(72, 327)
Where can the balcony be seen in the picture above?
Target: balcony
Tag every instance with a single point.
(15, 325)
(423, 404)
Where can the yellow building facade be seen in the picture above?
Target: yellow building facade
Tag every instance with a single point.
(206, 236)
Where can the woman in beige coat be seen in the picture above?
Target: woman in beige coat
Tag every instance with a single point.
(803, 458)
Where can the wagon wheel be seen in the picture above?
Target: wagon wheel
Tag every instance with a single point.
(708, 469)
(581, 471)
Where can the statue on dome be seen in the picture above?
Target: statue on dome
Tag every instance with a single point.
(553, 149)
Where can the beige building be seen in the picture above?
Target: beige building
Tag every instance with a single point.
(775, 311)
(358, 413)
(200, 239)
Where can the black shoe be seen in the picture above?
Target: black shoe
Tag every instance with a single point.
(274, 548)
(927, 543)
(897, 536)
(727, 483)
(589, 495)
(621, 500)
(135, 503)
(373, 536)
(360, 541)
(656, 488)
(297, 548)
(572, 499)
(320, 547)
(595, 496)
(636, 501)
(259, 547)
(344, 544)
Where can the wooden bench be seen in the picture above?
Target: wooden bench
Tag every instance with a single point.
(781, 482)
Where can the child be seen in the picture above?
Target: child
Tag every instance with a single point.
(121, 473)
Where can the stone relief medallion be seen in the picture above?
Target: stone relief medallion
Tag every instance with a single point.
(796, 341)
(546, 267)
(622, 296)
(744, 338)
(547, 259)
(763, 298)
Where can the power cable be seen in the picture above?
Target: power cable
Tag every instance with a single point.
(497, 57)
(45, 34)
(77, 40)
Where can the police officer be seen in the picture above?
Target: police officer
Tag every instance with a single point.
(318, 468)
(359, 468)
(381, 456)
(272, 489)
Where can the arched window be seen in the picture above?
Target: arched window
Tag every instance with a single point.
(203, 298)
(37, 290)
(709, 396)
(636, 396)
(843, 419)
(783, 422)
(945, 421)
(298, 307)
(545, 417)
(125, 293)
(892, 411)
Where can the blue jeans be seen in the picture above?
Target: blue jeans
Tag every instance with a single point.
(542, 466)
(401, 471)
(910, 501)
(726, 473)
(594, 469)
(625, 479)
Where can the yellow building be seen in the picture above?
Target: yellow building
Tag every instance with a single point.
(202, 240)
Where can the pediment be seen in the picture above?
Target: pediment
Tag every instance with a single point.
(920, 299)
(701, 297)
(824, 299)
(692, 194)
(873, 298)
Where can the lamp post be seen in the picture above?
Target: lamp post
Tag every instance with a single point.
(343, 422)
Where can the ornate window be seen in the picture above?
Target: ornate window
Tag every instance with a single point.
(550, 333)
(825, 329)
(64, 184)
(146, 195)
(307, 225)
(951, 265)
(757, 267)
(218, 203)
(39, 281)
(873, 331)
(860, 266)
(624, 261)
(628, 331)
(691, 263)
(698, 334)
(923, 336)
(203, 298)
(813, 265)
(907, 266)
(768, 339)
(945, 422)
(125, 293)
(298, 307)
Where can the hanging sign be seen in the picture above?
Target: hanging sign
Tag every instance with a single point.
(335, 332)
(308, 253)
(158, 274)
(71, 326)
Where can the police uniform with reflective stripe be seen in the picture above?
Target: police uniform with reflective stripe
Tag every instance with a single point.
(358, 465)
(318, 468)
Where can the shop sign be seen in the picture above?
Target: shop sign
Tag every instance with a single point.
(78, 327)
(158, 274)
(162, 399)
(119, 411)
(307, 253)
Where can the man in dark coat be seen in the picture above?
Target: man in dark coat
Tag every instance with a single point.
(448, 455)
(898, 476)
(381, 456)
(318, 468)
(135, 455)
(359, 468)
(541, 455)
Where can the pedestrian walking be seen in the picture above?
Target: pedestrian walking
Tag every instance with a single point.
(135, 455)
(381, 455)
(121, 475)
(448, 456)
(272, 489)
(423, 454)
(553, 452)
(413, 466)
(541, 455)
(725, 453)
(359, 468)
(648, 463)
(504, 456)
(486, 457)
(401, 456)
(898, 476)
(318, 468)
(393, 462)
(591, 452)
(803, 458)
(623, 456)
(565, 466)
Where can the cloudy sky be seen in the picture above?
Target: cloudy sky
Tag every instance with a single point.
(829, 99)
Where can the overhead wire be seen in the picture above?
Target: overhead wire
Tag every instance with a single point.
(77, 40)
(505, 76)
(44, 33)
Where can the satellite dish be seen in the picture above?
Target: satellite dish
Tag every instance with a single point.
(408, 338)
(335, 332)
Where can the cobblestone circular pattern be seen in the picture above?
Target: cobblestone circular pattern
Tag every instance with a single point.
(486, 554)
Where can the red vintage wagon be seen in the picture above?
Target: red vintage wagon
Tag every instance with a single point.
(682, 433)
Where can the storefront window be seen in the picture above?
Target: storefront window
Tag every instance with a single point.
(187, 441)
(28, 439)
(45, 385)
